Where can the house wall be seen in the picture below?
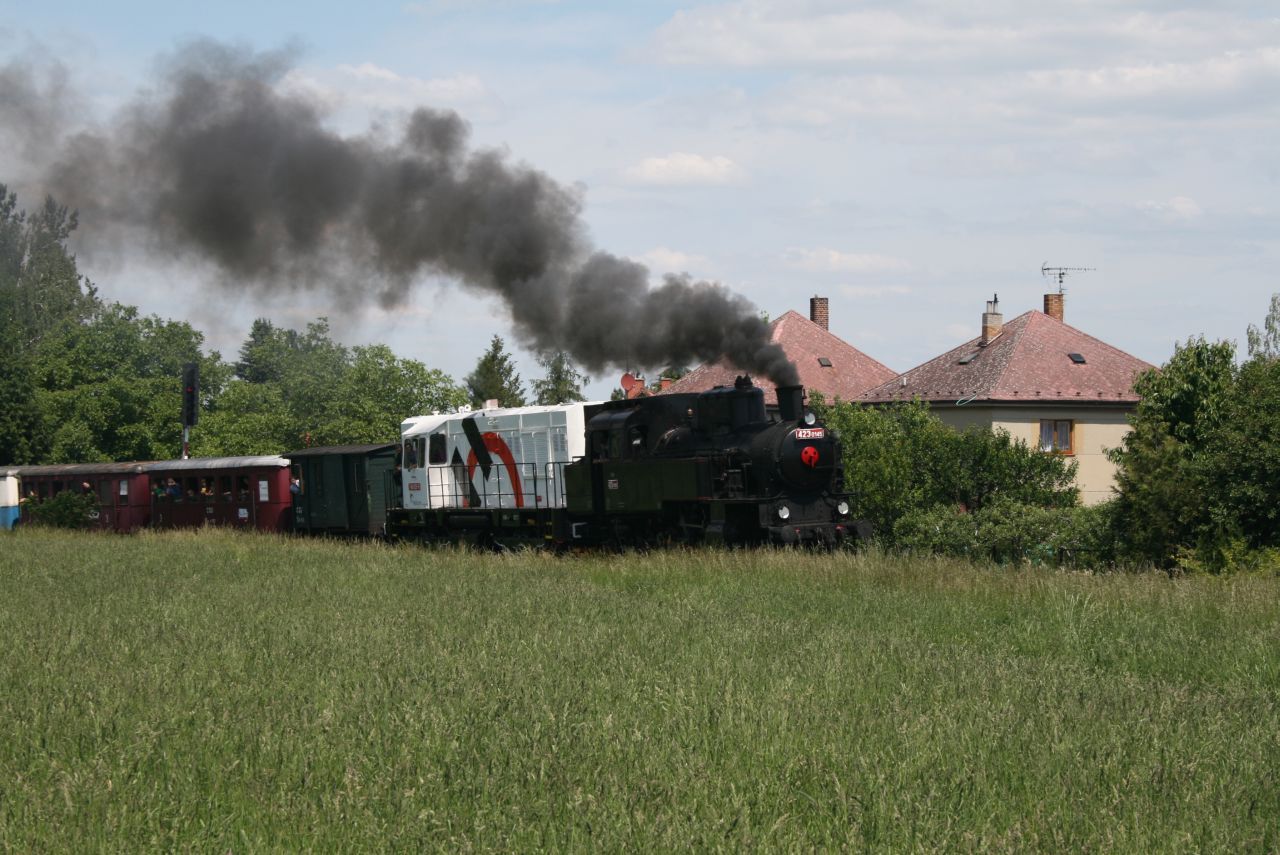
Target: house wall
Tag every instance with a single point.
(1095, 430)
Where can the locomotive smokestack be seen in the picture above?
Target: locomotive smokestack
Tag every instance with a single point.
(224, 165)
(790, 402)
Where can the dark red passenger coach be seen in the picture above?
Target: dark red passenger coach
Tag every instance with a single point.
(120, 490)
(243, 492)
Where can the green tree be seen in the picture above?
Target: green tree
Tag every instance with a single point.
(1265, 342)
(40, 287)
(304, 369)
(23, 437)
(246, 419)
(264, 354)
(109, 387)
(303, 388)
(40, 292)
(562, 383)
(1161, 503)
(1240, 469)
(495, 378)
(378, 391)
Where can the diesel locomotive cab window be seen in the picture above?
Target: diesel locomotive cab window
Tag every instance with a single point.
(437, 451)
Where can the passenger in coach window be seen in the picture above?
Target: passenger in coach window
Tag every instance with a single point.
(295, 486)
(173, 489)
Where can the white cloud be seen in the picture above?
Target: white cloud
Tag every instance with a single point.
(822, 260)
(683, 168)
(760, 32)
(369, 86)
(1243, 76)
(865, 291)
(914, 35)
(369, 70)
(664, 260)
(986, 69)
(1180, 208)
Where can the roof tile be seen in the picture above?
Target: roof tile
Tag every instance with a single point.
(1028, 361)
(851, 371)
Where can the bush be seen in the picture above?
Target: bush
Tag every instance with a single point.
(1228, 556)
(1012, 532)
(901, 461)
(65, 510)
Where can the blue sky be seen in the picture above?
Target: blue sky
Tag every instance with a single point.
(905, 159)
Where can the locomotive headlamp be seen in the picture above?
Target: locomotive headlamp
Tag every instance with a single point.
(843, 509)
(809, 418)
(784, 513)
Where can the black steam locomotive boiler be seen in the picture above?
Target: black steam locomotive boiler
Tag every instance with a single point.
(711, 467)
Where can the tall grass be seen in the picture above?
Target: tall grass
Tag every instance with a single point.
(240, 692)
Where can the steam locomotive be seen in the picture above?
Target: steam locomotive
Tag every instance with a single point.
(709, 467)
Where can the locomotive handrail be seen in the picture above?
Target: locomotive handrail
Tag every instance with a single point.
(445, 489)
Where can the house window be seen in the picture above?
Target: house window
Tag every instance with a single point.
(1056, 436)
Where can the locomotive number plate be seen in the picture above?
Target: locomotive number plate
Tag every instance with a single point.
(810, 433)
(415, 486)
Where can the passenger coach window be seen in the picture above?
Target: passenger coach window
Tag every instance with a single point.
(437, 455)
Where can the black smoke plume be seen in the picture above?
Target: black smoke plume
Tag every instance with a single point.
(219, 163)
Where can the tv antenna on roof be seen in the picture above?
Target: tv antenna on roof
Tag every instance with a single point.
(1060, 273)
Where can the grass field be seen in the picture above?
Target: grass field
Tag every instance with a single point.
(218, 692)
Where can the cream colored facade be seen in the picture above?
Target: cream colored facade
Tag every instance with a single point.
(1094, 431)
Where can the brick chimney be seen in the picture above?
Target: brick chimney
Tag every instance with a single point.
(819, 313)
(1053, 305)
(992, 321)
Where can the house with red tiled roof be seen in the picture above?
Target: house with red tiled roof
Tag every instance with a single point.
(826, 363)
(1046, 383)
